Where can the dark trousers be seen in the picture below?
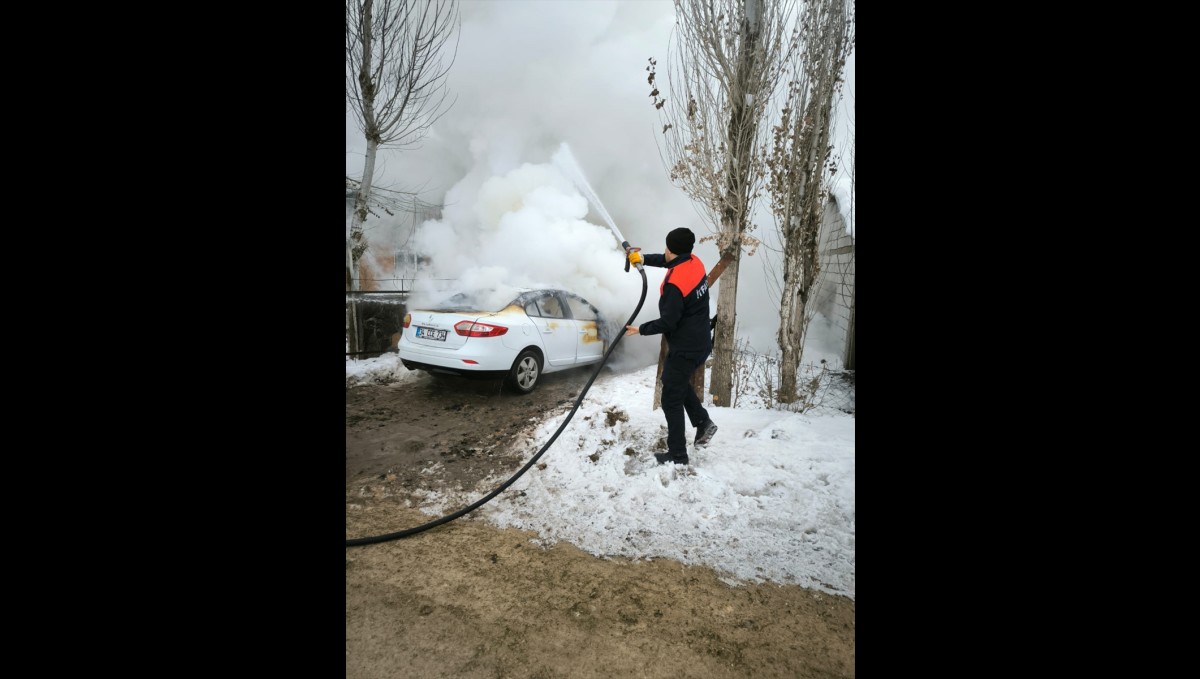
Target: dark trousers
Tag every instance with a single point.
(678, 396)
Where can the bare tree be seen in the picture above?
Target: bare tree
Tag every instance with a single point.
(396, 87)
(801, 166)
(724, 67)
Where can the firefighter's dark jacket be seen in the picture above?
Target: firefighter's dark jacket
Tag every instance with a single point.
(682, 305)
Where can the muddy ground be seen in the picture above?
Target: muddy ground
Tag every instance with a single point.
(467, 599)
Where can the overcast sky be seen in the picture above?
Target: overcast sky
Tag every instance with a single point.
(530, 77)
(770, 499)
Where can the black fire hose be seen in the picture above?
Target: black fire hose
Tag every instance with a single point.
(354, 542)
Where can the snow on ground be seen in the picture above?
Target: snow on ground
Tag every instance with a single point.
(770, 499)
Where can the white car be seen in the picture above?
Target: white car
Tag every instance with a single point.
(535, 332)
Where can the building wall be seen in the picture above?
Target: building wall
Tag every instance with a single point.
(376, 268)
(835, 295)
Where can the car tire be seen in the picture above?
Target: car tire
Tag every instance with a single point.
(525, 372)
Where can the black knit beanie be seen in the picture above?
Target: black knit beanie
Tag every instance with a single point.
(681, 240)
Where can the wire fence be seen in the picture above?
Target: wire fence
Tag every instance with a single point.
(380, 320)
(380, 313)
(401, 285)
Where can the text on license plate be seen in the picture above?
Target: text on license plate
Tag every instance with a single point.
(431, 333)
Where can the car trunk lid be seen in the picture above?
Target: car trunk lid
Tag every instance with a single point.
(436, 328)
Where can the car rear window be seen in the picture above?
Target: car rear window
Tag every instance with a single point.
(479, 302)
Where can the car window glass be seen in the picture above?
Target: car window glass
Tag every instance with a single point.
(550, 307)
(581, 310)
(531, 309)
(455, 302)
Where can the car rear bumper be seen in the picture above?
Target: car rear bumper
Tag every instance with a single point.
(471, 374)
(455, 361)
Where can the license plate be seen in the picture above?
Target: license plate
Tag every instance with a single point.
(431, 333)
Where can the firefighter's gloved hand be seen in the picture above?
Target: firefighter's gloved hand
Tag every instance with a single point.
(635, 257)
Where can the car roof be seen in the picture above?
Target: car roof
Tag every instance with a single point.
(524, 296)
(530, 293)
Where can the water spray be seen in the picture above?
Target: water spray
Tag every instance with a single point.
(565, 162)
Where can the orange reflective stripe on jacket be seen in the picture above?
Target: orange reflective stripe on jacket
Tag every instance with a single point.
(686, 276)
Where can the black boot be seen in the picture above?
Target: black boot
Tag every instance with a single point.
(704, 432)
(667, 458)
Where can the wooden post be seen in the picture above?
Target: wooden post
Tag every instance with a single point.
(662, 355)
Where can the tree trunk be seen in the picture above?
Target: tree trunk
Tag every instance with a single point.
(806, 166)
(802, 255)
(740, 136)
(352, 329)
(356, 244)
(698, 376)
(792, 326)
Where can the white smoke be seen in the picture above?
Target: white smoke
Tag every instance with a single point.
(527, 229)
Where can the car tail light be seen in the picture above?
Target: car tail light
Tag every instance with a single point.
(472, 329)
(407, 319)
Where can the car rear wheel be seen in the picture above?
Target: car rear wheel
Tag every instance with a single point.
(526, 370)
